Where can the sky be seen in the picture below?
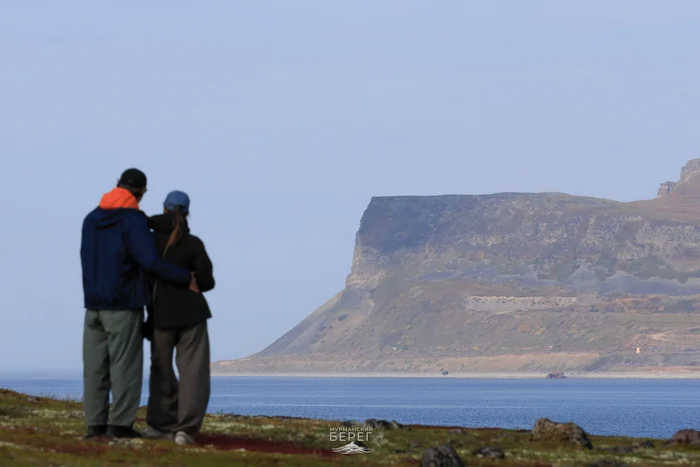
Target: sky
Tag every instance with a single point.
(282, 119)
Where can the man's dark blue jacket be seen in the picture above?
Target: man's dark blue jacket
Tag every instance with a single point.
(117, 247)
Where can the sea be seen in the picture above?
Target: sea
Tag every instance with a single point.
(639, 408)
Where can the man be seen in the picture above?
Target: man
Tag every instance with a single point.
(117, 248)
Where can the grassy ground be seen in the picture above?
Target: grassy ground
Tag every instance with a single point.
(37, 431)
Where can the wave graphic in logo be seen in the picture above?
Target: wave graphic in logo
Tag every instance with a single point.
(351, 448)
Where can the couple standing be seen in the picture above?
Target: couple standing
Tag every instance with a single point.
(131, 262)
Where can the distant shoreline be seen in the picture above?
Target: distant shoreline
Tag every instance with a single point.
(573, 375)
(638, 375)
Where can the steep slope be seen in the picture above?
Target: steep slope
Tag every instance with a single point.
(510, 282)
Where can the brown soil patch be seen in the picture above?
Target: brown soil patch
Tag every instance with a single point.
(91, 449)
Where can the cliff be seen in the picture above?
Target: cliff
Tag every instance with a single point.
(510, 282)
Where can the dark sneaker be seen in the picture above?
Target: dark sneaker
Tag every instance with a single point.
(123, 432)
(152, 433)
(96, 431)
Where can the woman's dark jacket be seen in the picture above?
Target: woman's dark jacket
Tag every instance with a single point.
(175, 306)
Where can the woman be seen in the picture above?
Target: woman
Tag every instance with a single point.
(177, 322)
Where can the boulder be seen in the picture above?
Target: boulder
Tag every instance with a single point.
(441, 456)
(569, 433)
(488, 451)
(609, 463)
(385, 425)
(686, 437)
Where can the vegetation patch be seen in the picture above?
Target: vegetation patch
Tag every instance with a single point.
(42, 431)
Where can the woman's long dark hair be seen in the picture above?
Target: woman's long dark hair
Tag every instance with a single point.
(178, 227)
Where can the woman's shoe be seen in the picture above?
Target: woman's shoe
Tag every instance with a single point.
(182, 438)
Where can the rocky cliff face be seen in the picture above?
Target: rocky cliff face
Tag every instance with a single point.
(666, 188)
(688, 172)
(510, 282)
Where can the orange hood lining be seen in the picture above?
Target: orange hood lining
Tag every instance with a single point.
(119, 198)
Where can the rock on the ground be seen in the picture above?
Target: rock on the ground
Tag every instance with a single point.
(686, 437)
(570, 433)
(620, 449)
(609, 463)
(488, 451)
(384, 424)
(441, 456)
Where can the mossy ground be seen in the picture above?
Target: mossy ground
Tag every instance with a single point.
(39, 431)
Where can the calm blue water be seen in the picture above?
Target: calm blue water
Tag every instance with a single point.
(644, 408)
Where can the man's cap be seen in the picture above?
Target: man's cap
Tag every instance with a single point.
(177, 199)
(133, 178)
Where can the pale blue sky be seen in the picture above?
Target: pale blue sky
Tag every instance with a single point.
(281, 119)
